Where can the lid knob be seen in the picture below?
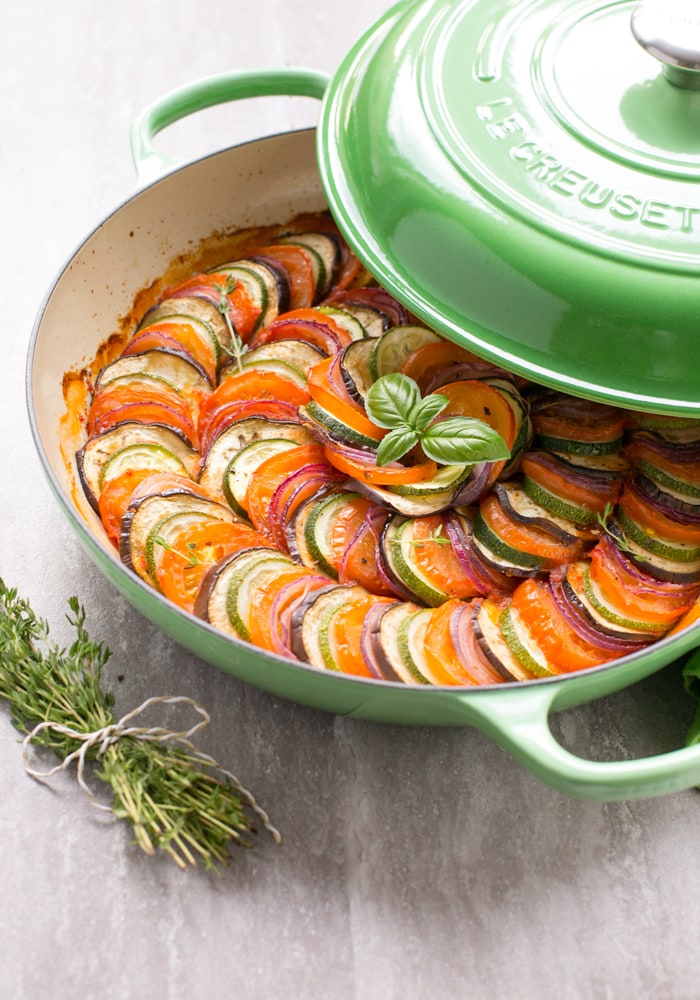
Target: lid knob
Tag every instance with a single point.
(670, 31)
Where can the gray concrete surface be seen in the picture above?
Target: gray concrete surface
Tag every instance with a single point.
(415, 862)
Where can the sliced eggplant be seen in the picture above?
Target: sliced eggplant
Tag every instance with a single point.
(308, 617)
(188, 308)
(521, 507)
(486, 616)
(100, 449)
(176, 370)
(242, 432)
(327, 251)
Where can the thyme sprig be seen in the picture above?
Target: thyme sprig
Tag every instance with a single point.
(237, 348)
(177, 800)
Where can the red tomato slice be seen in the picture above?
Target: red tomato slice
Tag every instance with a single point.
(268, 477)
(197, 547)
(116, 395)
(264, 626)
(116, 497)
(146, 413)
(560, 645)
(298, 265)
(436, 558)
(593, 497)
(317, 333)
(527, 538)
(654, 521)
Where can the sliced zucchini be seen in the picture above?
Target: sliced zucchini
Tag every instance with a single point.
(678, 487)
(569, 446)
(398, 547)
(141, 455)
(334, 427)
(241, 432)
(523, 508)
(187, 308)
(600, 611)
(283, 368)
(402, 638)
(91, 458)
(297, 353)
(394, 346)
(580, 516)
(347, 320)
(260, 284)
(656, 565)
(212, 597)
(410, 506)
(243, 582)
(144, 514)
(240, 469)
(663, 547)
(487, 630)
(449, 477)
(318, 529)
(521, 644)
(311, 617)
(373, 321)
(506, 557)
(164, 532)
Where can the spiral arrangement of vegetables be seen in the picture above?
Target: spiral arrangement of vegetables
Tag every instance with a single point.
(284, 452)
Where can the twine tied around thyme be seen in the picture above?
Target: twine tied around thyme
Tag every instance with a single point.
(102, 739)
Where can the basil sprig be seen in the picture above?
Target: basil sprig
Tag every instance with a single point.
(394, 402)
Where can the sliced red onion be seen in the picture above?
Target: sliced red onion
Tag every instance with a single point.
(645, 584)
(376, 298)
(371, 645)
(472, 488)
(683, 453)
(287, 599)
(485, 578)
(456, 371)
(648, 492)
(587, 630)
(468, 651)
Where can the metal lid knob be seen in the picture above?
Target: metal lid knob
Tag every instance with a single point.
(670, 32)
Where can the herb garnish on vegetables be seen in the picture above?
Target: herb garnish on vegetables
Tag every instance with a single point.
(394, 401)
(176, 799)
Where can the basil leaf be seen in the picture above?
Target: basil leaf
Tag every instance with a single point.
(463, 440)
(391, 399)
(396, 444)
(427, 410)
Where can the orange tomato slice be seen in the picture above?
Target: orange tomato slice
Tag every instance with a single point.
(183, 565)
(437, 560)
(655, 522)
(297, 262)
(323, 393)
(345, 631)
(560, 645)
(269, 475)
(527, 538)
(441, 654)
(367, 470)
(473, 398)
(116, 497)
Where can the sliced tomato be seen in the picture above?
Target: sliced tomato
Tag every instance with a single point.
(423, 364)
(345, 631)
(362, 556)
(525, 537)
(654, 521)
(259, 386)
(183, 565)
(441, 653)
(298, 264)
(632, 592)
(563, 649)
(116, 395)
(146, 413)
(593, 496)
(268, 476)
(323, 392)
(116, 497)
(436, 558)
(364, 468)
(579, 420)
(473, 398)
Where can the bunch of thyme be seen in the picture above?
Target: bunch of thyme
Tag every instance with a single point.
(176, 799)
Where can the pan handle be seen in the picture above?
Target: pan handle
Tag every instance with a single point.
(518, 720)
(219, 89)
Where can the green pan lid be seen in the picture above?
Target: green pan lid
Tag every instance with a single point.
(524, 175)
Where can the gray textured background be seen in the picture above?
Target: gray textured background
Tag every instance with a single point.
(415, 862)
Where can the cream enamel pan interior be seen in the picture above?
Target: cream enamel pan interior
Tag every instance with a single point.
(268, 182)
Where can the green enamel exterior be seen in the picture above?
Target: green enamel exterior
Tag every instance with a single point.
(524, 177)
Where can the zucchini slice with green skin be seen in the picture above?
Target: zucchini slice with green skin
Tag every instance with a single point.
(676, 486)
(164, 532)
(580, 516)
(394, 346)
(672, 570)
(354, 368)
(521, 644)
(143, 515)
(141, 456)
(318, 529)
(502, 554)
(309, 618)
(601, 612)
(212, 596)
(663, 547)
(177, 370)
(398, 550)
(242, 585)
(283, 368)
(520, 506)
(486, 618)
(231, 477)
(260, 285)
(409, 506)
(347, 320)
(328, 424)
(298, 353)
(98, 450)
(566, 446)
(190, 309)
(373, 321)
(402, 638)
